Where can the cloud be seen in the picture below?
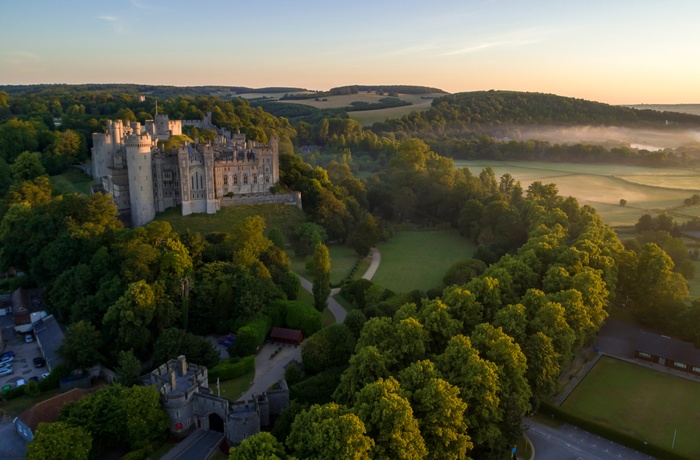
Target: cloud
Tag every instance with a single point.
(140, 5)
(118, 26)
(510, 40)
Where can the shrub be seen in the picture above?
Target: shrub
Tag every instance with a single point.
(251, 336)
(228, 370)
(292, 374)
(331, 346)
(304, 317)
(317, 389)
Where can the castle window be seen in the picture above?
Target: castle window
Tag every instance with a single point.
(255, 179)
(235, 180)
(225, 180)
(267, 169)
(267, 179)
(197, 180)
(245, 179)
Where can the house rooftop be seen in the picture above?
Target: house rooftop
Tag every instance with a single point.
(668, 348)
(50, 336)
(48, 411)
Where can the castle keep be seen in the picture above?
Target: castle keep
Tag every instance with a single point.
(144, 180)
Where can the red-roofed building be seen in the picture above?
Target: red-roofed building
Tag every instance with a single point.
(283, 335)
(44, 412)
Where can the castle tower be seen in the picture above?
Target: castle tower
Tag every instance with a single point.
(139, 164)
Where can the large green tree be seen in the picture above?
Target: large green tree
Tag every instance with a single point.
(322, 276)
(59, 441)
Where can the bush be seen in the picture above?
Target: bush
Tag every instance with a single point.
(228, 370)
(317, 389)
(251, 336)
(304, 317)
(292, 374)
(329, 347)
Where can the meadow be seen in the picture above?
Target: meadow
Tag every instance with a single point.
(420, 259)
(640, 402)
(72, 180)
(285, 217)
(343, 259)
(647, 190)
(365, 117)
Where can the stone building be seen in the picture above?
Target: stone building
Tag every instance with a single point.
(191, 405)
(144, 180)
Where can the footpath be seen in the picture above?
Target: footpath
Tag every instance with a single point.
(335, 308)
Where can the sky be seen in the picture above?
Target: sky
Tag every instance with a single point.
(613, 51)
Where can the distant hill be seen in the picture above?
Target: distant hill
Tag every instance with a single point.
(480, 108)
(539, 108)
(162, 91)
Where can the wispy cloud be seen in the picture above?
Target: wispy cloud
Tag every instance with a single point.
(141, 5)
(118, 25)
(509, 40)
(23, 62)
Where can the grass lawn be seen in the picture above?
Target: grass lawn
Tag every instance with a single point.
(72, 180)
(343, 259)
(641, 402)
(419, 260)
(647, 190)
(328, 317)
(305, 296)
(234, 388)
(282, 216)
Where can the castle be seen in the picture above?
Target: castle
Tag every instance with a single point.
(144, 180)
(191, 405)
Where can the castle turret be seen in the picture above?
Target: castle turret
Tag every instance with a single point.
(139, 163)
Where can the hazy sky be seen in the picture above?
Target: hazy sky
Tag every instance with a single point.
(620, 52)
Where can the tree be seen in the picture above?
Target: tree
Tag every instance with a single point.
(258, 446)
(128, 368)
(329, 431)
(463, 271)
(364, 236)
(390, 421)
(623, 202)
(146, 420)
(128, 319)
(439, 411)
(249, 241)
(174, 342)
(59, 441)
(81, 345)
(27, 166)
(331, 346)
(322, 277)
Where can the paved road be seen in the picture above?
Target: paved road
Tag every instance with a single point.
(571, 443)
(374, 264)
(12, 447)
(269, 371)
(197, 446)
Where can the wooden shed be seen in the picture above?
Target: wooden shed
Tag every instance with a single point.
(284, 335)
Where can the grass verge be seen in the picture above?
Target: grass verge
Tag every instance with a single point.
(234, 388)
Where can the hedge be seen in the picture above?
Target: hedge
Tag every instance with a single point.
(228, 370)
(319, 388)
(251, 336)
(302, 316)
(295, 315)
(611, 434)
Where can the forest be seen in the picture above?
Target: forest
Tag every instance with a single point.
(442, 374)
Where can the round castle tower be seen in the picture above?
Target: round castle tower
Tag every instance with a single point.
(139, 164)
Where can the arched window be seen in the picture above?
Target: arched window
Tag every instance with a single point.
(197, 180)
(235, 180)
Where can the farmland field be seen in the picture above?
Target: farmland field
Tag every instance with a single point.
(641, 402)
(419, 260)
(647, 190)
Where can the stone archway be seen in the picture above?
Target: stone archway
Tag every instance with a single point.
(216, 423)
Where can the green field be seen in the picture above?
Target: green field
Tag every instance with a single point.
(641, 402)
(72, 180)
(647, 190)
(285, 217)
(419, 260)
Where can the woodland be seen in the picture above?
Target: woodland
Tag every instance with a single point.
(443, 374)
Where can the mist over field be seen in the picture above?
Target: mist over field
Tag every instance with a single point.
(648, 139)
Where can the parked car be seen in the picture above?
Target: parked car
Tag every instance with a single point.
(6, 387)
(29, 338)
(21, 382)
(4, 365)
(39, 361)
(7, 359)
(6, 371)
(7, 353)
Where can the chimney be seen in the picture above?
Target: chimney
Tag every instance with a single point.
(183, 364)
(173, 380)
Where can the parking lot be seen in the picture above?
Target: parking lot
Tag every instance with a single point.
(24, 354)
